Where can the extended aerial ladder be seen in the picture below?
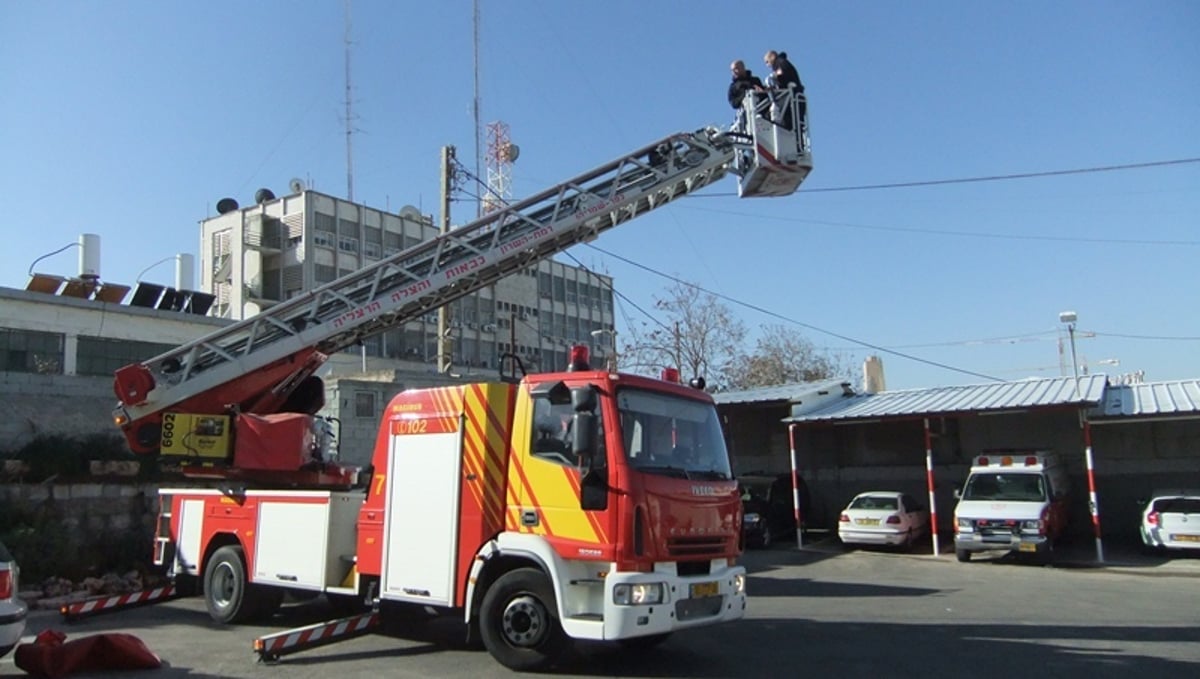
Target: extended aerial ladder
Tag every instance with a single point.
(266, 364)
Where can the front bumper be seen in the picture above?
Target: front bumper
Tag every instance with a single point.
(1027, 544)
(692, 601)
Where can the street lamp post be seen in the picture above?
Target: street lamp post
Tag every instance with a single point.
(1069, 318)
(612, 353)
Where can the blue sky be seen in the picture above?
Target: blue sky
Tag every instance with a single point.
(130, 119)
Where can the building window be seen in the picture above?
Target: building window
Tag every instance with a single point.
(102, 356)
(371, 250)
(323, 238)
(323, 222)
(30, 351)
(347, 244)
(324, 273)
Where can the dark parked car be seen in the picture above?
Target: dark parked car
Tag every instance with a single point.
(767, 507)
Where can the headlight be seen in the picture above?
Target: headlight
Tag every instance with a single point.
(964, 526)
(751, 518)
(739, 584)
(638, 595)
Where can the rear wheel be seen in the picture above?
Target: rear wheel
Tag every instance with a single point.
(519, 621)
(229, 596)
(962, 555)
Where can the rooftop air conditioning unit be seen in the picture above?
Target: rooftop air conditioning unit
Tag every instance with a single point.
(489, 327)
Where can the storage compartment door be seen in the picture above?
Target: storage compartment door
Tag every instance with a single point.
(421, 535)
(292, 543)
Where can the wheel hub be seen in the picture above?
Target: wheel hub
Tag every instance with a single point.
(524, 621)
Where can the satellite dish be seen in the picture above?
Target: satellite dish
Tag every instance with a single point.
(263, 195)
(410, 212)
(296, 185)
(226, 205)
(511, 152)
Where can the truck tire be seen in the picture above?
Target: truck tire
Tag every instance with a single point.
(962, 555)
(228, 595)
(519, 621)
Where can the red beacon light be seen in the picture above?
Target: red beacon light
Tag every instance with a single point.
(670, 375)
(579, 359)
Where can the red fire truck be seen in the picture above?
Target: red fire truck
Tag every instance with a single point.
(581, 504)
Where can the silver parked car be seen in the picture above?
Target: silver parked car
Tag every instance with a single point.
(1171, 520)
(12, 609)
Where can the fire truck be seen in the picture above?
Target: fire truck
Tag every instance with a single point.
(581, 504)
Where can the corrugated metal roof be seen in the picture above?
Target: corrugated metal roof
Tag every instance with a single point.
(1151, 399)
(788, 393)
(1039, 393)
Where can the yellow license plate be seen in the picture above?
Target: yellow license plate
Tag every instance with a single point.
(1185, 538)
(867, 522)
(703, 589)
(1026, 547)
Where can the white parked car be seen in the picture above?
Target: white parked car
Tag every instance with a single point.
(883, 517)
(12, 609)
(1171, 520)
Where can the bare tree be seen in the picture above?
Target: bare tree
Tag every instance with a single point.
(696, 334)
(782, 356)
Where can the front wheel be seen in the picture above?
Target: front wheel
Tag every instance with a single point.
(519, 621)
(962, 555)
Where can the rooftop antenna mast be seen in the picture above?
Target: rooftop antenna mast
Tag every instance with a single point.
(349, 114)
(479, 209)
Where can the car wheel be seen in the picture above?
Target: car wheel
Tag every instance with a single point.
(519, 621)
(962, 555)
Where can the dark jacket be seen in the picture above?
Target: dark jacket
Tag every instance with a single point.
(786, 74)
(740, 86)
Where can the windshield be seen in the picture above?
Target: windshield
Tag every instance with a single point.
(875, 502)
(672, 436)
(1013, 487)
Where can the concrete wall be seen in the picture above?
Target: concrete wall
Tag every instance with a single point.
(63, 405)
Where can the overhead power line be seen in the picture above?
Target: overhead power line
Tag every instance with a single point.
(1006, 177)
(987, 178)
(787, 319)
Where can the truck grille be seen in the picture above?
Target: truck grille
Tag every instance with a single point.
(693, 547)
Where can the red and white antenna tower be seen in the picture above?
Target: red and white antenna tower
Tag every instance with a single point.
(501, 153)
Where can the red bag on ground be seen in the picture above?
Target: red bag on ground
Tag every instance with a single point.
(52, 657)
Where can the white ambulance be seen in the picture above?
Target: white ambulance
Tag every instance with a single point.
(1012, 501)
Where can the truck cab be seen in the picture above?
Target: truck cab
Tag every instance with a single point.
(1011, 501)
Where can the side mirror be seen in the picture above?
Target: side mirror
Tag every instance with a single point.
(958, 493)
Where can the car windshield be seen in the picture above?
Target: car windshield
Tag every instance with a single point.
(672, 436)
(875, 502)
(755, 488)
(1001, 486)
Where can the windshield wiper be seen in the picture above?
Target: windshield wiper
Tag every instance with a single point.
(709, 474)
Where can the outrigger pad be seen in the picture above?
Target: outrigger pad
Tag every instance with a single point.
(51, 656)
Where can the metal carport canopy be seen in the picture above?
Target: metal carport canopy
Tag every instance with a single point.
(1000, 397)
(968, 399)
